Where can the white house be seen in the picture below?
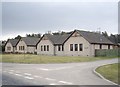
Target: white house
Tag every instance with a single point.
(27, 45)
(10, 46)
(75, 43)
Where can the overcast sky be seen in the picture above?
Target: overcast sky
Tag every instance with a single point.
(40, 17)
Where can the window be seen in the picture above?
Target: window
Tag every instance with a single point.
(15, 48)
(59, 48)
(47, 47)
(23, 48)
(8, 48)
(80, 47)
(62, 48)
(41, 48)
(19, 47)
(44, 47)
(108, 46)
(100, 46)
(76, 47)
(71, 47)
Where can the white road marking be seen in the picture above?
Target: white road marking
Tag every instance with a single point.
(53, 84)
(27, 74)
(37, 76)
(54, 68)
(44, 69)
(18, 74)
(10, 72)
(28, 77)
(50, 79)
(65, 82)
(62, 68)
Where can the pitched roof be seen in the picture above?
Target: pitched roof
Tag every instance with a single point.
(13, 41)
(31, 41)
(58, 39)
(93, 37)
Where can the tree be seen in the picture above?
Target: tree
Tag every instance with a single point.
(59, 33)
(3, 48)
(39, 35)
(18, 37)
(27, 35)
(34, 35)
(105, 34)
(56, 33)
(62, 33)
(113, 38)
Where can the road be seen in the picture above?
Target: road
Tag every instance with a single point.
(53, 74)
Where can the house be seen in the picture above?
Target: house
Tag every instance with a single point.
(75, 43)
(49, 44)
(27, 45)
(10, 45)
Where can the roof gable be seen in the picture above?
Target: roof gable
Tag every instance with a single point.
(55, 39)
(91, 37)
(13, 42)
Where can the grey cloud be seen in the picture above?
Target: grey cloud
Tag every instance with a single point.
(41, 17)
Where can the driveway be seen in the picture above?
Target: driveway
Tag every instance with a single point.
(53, 74)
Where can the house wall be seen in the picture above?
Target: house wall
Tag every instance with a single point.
(45, 42)
(14, 49)
(111, 46)
(8, 45)
(27, 49)
(60, 53)
(97, 46)
(22, 43)
(31, 49)
(77, 40)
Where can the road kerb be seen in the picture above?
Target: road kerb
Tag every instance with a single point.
(102, 77)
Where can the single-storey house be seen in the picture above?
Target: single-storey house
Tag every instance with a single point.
(10, 45)
(75, 43)
(22, 45)
(27, 45)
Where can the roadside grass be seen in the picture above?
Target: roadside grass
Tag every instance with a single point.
(110, 72)
(38, 59)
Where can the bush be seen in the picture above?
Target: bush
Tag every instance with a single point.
(107, 52)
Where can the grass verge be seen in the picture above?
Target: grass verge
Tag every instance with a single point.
(37, 59)
(110, 72)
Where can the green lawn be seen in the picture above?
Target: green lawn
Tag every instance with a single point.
(110, 72)
(30, 58)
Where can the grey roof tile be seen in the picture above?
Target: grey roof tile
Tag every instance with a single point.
(32, 41)
(91, 37)
(94, 37)
(58, 39)
(13, 41)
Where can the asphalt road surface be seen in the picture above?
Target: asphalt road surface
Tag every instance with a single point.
(53, 74)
